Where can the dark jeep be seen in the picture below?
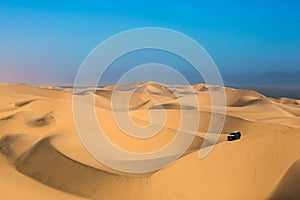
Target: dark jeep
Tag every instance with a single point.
(234, 136)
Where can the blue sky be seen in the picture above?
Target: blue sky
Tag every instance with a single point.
(44, 42)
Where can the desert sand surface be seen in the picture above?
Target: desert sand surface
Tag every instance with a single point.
(42, 157)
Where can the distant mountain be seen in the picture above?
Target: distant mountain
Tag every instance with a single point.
(271, 83)
(270, 78)
(282, 78)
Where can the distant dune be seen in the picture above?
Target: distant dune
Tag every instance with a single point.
(42, 157)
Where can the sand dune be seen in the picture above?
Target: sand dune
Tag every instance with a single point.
(42, 157)
(47, 165)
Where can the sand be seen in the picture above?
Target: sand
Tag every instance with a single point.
(42, 157)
